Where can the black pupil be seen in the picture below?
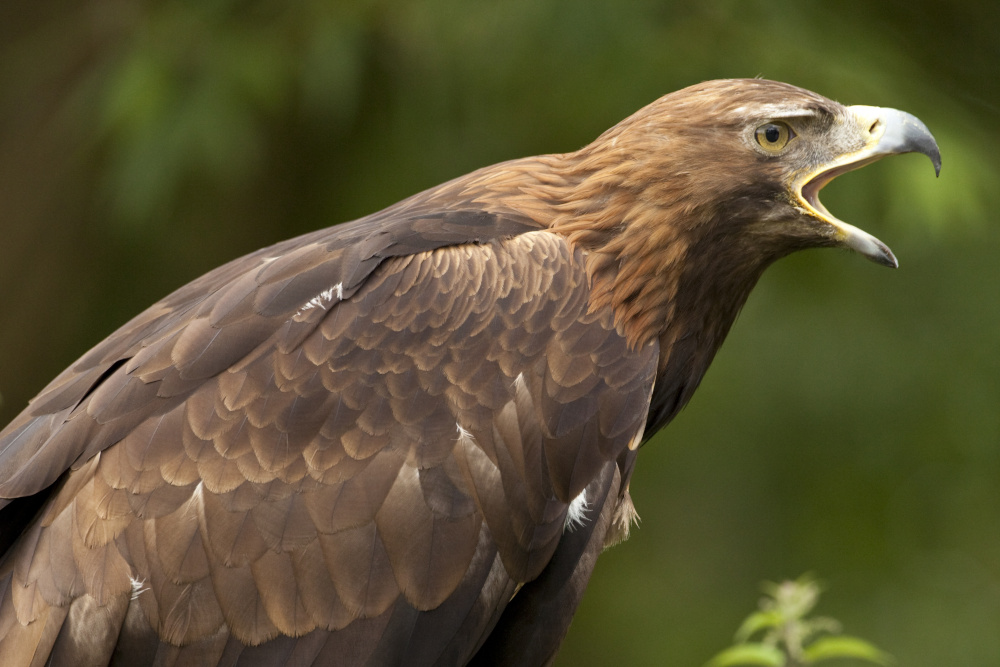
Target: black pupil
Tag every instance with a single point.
(772, 134)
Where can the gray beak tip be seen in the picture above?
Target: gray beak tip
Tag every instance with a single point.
(905, 133)
(884, 256)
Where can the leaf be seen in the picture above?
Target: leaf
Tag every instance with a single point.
(820, 624)
(844, 646)
(748, 654)
(757, 621)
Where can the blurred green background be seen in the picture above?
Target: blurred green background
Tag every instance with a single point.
(849, 426)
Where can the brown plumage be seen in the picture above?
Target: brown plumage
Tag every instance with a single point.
(406, 439)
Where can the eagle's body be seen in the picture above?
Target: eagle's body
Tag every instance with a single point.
(405, 439)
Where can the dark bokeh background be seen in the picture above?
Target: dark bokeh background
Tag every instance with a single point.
(850, 425)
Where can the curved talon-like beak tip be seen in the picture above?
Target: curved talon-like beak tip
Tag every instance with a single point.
(889, 132)
(867, 245)
(898, 132)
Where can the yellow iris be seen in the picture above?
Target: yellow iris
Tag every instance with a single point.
(772, 137)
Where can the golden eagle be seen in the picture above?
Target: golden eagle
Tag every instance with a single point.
(406, 439)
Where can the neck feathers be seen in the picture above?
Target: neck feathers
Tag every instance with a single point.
(655, 255)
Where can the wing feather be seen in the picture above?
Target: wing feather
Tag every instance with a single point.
(362, 572)
(280, 593)
(177, 543)
(241, 603)
(335, 437)
(318, 593)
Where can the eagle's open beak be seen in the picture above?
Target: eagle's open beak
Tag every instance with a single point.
(890, 132)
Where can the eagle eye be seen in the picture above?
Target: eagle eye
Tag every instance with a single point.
(772, 137)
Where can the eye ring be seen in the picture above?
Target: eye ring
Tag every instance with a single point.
(773, 136)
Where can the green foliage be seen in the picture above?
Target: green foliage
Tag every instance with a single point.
(749, 654)
(191, 91)
(789, 638)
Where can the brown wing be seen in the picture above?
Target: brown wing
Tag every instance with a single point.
(206, 326)
(364, 477)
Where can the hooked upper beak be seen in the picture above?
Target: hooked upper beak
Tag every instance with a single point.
(889, 132)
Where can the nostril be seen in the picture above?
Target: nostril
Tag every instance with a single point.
(875, 126)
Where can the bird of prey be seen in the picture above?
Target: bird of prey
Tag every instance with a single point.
(405, 440)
